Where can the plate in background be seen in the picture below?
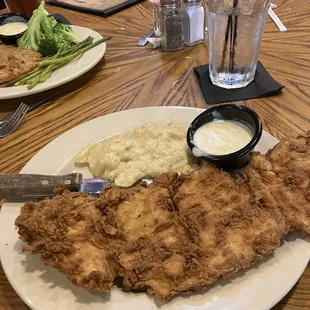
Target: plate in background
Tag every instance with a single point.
(63, 75)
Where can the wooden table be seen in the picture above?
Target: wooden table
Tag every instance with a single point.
(131, 77)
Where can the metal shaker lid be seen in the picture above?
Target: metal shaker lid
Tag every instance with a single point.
(192, 1)
(170, 2)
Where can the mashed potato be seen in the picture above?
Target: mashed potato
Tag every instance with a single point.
(146, 151)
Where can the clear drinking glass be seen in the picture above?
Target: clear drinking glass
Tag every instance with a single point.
(235, 30)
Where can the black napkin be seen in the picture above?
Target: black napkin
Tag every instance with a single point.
(262, 86)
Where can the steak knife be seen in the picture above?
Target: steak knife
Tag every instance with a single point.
(41, 186)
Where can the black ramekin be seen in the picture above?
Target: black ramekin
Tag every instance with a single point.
(11, 18)
(235, 112)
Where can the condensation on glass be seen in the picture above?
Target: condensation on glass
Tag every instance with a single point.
(235, 29)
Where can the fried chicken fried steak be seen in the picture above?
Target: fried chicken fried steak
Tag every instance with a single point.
(66, 231)
(16, 61)
(281, 179)
(179, 234)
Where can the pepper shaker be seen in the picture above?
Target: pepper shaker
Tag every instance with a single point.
(171, 25)
(193, 22)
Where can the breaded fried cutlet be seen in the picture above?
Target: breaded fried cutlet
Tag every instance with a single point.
(281, 179)
(65, 230)
(231, 229)
(131, 232)
(16, 61)
(179, 234)
(152, 244)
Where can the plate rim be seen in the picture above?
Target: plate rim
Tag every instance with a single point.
(68, 132)
(60, 82)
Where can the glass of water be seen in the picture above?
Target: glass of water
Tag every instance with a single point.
(235, 30)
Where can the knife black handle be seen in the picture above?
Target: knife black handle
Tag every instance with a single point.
(37, 185)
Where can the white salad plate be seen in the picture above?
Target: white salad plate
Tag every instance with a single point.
(65, 74)
(259, 287)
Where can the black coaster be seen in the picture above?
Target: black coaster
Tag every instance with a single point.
(262, 86)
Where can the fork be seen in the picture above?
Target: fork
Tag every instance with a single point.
(31, 106)
(10, 125)
(6, 118)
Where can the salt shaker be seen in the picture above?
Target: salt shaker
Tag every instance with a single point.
(193, 22)
(171, 25)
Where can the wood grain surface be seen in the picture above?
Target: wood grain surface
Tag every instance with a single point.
(132, 77)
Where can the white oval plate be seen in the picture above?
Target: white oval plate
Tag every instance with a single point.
(63, 75)
(257, 288)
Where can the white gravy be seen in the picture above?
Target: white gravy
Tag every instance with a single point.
(221, 137)
(11, 29)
